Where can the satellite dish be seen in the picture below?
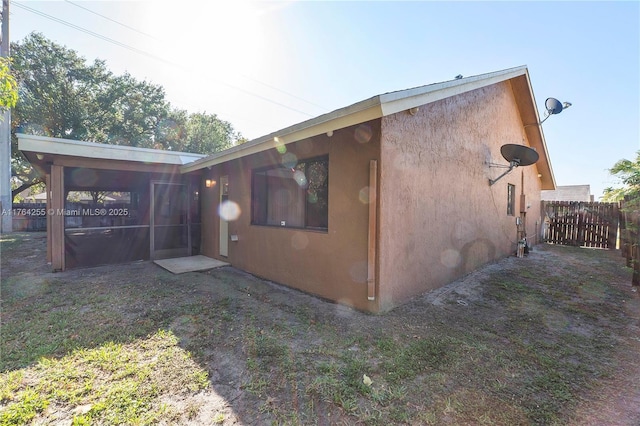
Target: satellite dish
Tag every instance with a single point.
(516, 155)
(553, 106)
(520, 154)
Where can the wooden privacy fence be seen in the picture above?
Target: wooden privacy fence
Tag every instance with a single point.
(582, 224)
(630, 236)
(596, 225)
(29, 216)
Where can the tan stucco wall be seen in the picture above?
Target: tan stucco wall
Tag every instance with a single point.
(439, 218)
(330, 264)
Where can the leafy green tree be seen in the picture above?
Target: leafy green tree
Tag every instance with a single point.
(629, 174)
(8, 85)
(128, 112)
(200, 133)
(172, 129)
(55, 88)
(206, 133)
(61, 95)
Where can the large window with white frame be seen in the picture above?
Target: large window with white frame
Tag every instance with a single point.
(292, 197)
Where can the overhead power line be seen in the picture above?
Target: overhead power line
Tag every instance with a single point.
(157, 39)
(92, 33)
(155, 57)
(112, 20)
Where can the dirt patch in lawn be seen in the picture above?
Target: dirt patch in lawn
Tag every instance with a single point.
(549, 339)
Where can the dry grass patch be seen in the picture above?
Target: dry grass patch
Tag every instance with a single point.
(523, 341)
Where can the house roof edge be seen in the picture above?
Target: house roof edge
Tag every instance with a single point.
(60, 146)
(369, 109)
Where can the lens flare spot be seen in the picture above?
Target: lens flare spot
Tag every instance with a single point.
(229, 210)
(363, 195)
(299, 241)
(363, 133)
(280, 147)
(312, 197)
(300, 178)
(289, 160)
(450, 258)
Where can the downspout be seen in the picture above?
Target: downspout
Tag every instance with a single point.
(372, 235)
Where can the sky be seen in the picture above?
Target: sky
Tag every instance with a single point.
(264, 66)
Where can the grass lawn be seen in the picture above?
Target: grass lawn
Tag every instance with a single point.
(540, 340)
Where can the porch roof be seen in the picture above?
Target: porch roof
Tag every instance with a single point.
(40, 151)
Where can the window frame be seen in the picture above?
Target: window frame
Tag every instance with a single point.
(305, 214)
(511, 199)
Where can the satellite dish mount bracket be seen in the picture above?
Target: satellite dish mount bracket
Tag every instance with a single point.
(516, 155)
(514, 163)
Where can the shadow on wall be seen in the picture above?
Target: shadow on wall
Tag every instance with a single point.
(475, 254)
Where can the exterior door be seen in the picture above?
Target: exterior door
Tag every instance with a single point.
(224, 225)
(169, 220)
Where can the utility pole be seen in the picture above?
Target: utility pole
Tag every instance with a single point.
(6, 200)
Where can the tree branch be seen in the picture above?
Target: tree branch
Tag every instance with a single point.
(24, 186)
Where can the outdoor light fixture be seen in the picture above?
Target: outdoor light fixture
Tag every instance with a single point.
(40, 156)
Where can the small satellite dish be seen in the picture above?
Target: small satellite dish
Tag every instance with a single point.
(516, 155)
(520, 154)
(553, 106)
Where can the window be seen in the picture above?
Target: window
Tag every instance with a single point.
(293, 197)
(107, 209)
(511, 199)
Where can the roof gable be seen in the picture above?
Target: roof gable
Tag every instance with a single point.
(392, 102)
(369, 109)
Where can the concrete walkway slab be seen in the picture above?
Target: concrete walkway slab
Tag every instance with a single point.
(180, 265)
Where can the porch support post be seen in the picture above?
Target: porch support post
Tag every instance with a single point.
(49, 215)
(57, 218)
(372, 234)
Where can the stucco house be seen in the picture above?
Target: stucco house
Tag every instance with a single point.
(368, 205)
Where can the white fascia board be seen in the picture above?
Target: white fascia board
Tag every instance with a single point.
(395, 102)
(360, 112)
(354, 114)
(545, 153)
(73, 148)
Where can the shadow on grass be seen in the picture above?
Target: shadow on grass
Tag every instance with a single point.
(522, 350)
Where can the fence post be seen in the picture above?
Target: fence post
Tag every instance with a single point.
(624, 232)
(635, 279)
(613, 229)
(635, 240)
